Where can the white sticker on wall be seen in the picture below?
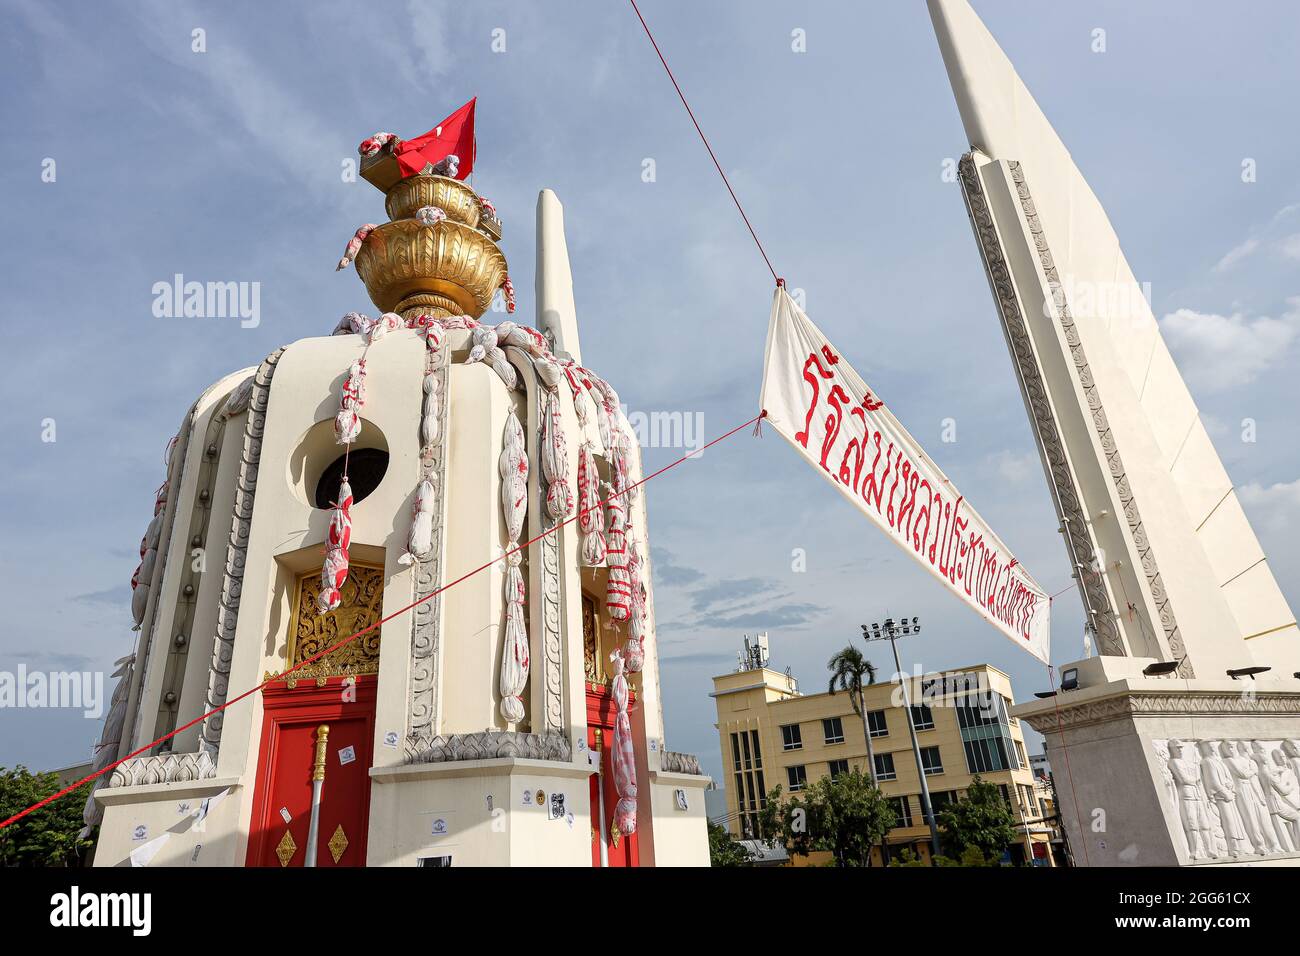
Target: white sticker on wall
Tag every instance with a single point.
(439, 827)
(347, 755)
(390, 739)
(140, 833)
(285, 815)
(528, 798)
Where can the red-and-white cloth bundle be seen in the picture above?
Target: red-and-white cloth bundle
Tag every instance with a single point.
(337, 541)
(354, 245)
(555, 460)
(513, 468)
(623, 753)
(347, 423)
(636, 631)
(508, 290)
(618, 590)
(591, 514)
(374, 144)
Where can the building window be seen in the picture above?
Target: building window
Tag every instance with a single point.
(940, 799)
(902, 811)
(876, 723)
(985, 754)
(838, 768)
(833, 730)
(931, 761)
(1020, 752)
(791, 738)
(797, 777)
(922, 717)
(885, 767)
(751, 792)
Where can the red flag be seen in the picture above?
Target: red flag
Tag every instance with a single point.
(455, 135)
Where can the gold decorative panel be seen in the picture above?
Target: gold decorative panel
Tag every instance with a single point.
(593, 659)
(310, 632)
(338, 843)
(286, 848)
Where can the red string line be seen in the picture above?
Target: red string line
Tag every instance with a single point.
(483, 567)
(705, 140)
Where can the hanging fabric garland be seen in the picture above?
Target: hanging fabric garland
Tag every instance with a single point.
(335, 570)
(513, 467)
(591, 516)
(555, 460)
(347, 424)
(354, 245)
(618, 591)
(624, 755)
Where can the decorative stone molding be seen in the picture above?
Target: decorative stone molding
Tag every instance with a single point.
(670, 761)
(423, 704)
(1106, 437)
(1133, 704)
(440, 748)
(163, 768)
(232, 580)
(1069, 508)
(552, 672)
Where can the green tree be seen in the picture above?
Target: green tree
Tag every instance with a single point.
(48, 836)
(846, 816)
(981, 821)
(851, 671)
(726, 850)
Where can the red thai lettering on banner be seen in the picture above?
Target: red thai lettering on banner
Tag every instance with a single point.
(896, 487)
(802, 437)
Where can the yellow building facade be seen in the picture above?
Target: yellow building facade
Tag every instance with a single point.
(771, 734)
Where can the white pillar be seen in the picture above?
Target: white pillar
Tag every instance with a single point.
(556, 315)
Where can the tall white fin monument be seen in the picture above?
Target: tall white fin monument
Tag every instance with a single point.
(1183, 732)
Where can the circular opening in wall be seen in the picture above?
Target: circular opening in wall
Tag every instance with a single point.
(316, 464)
(366, 467)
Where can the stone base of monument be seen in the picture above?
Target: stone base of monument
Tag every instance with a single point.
(1165, 771)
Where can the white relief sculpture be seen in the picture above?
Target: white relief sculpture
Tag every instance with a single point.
(1193, 807)
(1221, 788)
(1250, 797)
(1282, 794)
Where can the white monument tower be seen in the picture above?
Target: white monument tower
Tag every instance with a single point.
(461, 492)
(1198, 649)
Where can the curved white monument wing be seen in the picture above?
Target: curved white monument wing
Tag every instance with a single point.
(1176, 570)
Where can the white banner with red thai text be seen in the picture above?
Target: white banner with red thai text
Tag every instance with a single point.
(818, 403)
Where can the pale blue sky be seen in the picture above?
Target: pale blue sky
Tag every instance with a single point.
(225, 165)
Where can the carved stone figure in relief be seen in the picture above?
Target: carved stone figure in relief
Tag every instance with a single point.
(1250, 798)
(1282, 794)
(1193, 807)
(1221, 788)
(1291, 750)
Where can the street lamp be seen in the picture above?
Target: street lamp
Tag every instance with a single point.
(891, 631)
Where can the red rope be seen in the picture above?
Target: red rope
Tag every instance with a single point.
(248, 693)
(705, 140)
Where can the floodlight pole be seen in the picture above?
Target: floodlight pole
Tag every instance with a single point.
(892, 631)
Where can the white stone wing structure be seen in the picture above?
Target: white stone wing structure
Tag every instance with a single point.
(1169, 566)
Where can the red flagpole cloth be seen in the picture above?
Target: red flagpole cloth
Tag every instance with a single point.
(455, 135)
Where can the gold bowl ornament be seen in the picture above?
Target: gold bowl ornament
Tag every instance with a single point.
(458, 201)
(446, 269)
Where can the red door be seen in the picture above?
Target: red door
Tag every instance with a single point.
(291, 725)
(620, 849)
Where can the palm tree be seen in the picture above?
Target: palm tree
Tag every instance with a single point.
(851, 671)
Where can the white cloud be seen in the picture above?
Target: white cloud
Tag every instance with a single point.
(1219, 352)
(1290, 246)
(1278, 503)
(1236, 254)
(1015, 468)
